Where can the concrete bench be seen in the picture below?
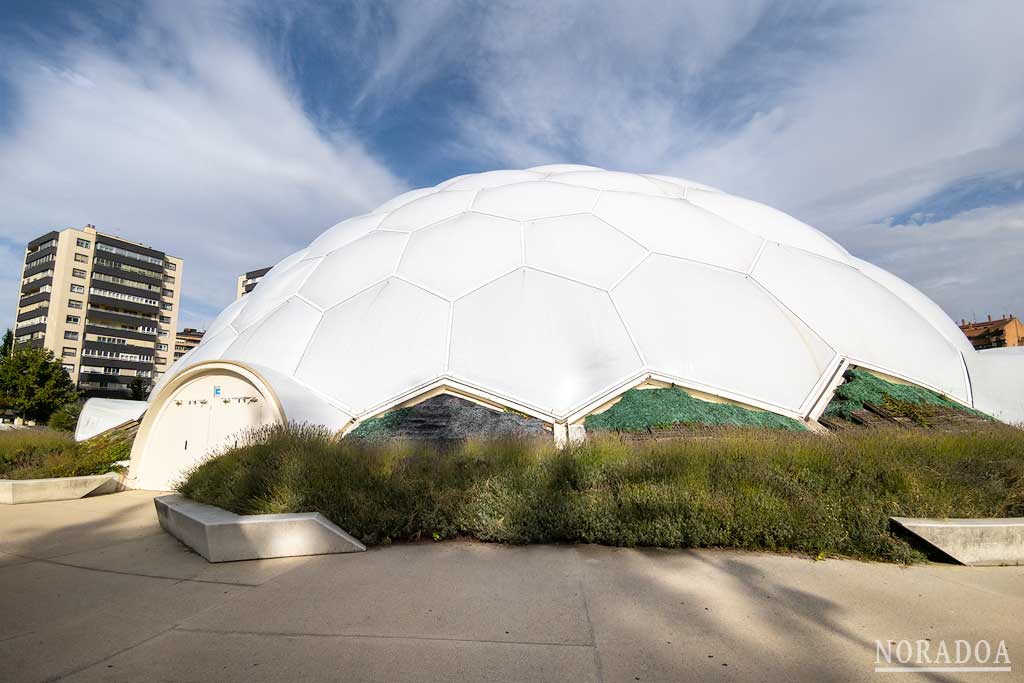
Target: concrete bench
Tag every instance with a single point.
(222, 536)
(18, 491)
(971, 541)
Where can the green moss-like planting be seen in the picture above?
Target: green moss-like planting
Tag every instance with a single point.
(909, 401)
(47, 453)
(757, 489)
(640, 409)
(380, 428)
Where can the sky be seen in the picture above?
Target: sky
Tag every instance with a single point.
(233, 133)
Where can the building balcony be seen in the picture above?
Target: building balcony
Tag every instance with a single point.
(94, 313)
(129, 306)
(118, 332)
(33, 298)
(36, 285)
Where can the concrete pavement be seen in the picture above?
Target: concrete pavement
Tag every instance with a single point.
(92, 589)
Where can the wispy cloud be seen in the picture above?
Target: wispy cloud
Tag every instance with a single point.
(184, 138)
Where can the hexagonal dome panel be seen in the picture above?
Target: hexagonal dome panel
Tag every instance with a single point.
(643, 275)
(475, 248)
(581, 247)
(543, 340)
(378, 344)
(346, 272)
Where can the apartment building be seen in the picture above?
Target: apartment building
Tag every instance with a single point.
(247, 281)
(105, 306)
(186, 340)
(993, 334)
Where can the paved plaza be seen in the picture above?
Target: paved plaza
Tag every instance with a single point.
(93, 590)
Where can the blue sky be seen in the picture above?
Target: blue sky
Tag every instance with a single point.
(233, 133)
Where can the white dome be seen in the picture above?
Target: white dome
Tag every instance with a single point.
(554, 289)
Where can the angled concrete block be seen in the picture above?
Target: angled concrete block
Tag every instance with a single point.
(222, 536)
(978, 542)
(17, 491)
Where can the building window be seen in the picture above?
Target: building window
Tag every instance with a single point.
(78, 272)
(68, 351)
(170, 266)
(162, 332)
(78, 289)
(111, 340)
(169, 279)
(68, 367)
(74, 303)
(73, 336)
(166, 306)
(166, 320)
(161, 347)
(84, 244)
(72, 320)
(111, 371)
(81, 258)
(169, 293)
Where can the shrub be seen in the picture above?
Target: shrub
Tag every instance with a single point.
(65, 418)
(45, 453)
(756, 489)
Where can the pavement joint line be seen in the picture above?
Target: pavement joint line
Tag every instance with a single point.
(97, 662)
(75, 552)
(176, 579)
(371, 636)
(586, 612)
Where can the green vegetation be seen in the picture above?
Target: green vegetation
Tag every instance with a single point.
(34, 384)
(902, 400)
(65, 418)
(45, 453)
(758, 489)
(380, 428)
(643, 408)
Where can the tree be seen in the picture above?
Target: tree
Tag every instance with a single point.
(34, 384)
(139, 389)
(8, 344)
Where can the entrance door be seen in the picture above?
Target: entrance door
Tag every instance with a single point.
(201, 417)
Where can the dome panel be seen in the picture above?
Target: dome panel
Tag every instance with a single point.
(482, 181)
(562, 168)
(768, 223)
(718, 328)
(427, 210)
(542, 340)
(861, 319)
(913, 297)
(533, 200)
(678, 228)
(343, 233)
(226, 317)
(377, 345)
(264, 343)
(403, 199)
(581, 247)
(271, 291)
(681, 182)
(608, 180)
(347, 271)
(473, 247)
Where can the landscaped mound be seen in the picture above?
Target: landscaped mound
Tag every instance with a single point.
(915, 403)
(44, 453)
(643, 409)
(755, 489)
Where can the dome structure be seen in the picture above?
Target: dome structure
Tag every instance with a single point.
(551, 291)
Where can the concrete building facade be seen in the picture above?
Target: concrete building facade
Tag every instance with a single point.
(247, 281)
(186, 340)
(994, 334)
(105, 306)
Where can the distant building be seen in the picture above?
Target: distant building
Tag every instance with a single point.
(993, 334)
(186, 340)
(106, 307)
(249, 280)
